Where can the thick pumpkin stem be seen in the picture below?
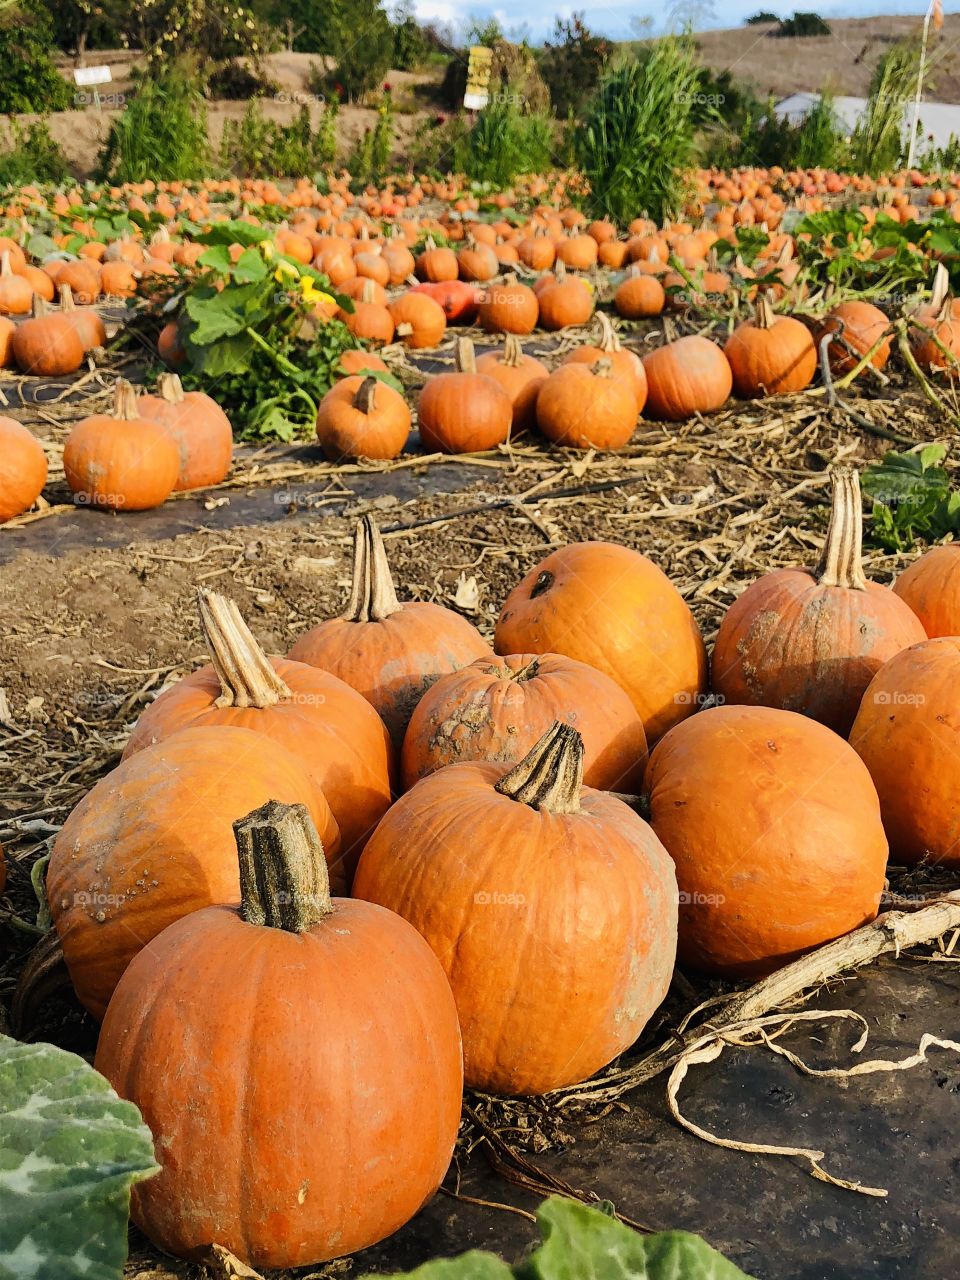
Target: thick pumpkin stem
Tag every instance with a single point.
(466, 359)
(366, 398)
(840, 565)
(5, 268)
(373, 596)
(550, 776)
(367, 291)
(608, 337)
(512, 351)
(940, 289)
(170, 388)
(40, 307)
(247, 677)
(66, 298)
(284, 882)
(765, 313)
(125, 401)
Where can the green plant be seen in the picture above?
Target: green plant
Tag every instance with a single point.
(877, 141)
(803, 24)
(253, 145)
(912, 497)
(30, 80)
(33, 155)
(504, 142)
(571, 63)
(161, 133)
(434, 146)
(333, 27)
(70, 1150)
(637, 143)
(763, 16)
(410, 44)
(820, 137)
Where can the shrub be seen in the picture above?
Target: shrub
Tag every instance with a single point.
(764, 16)
(356, 34)
(162, 133)
(803, 24)
(237, 81)
(503, 142)
(30, 81)
(33, 156)
(572, 63)
(369, 161)
(433, 147)
(410, 44)
(877, 141)
(254, 145)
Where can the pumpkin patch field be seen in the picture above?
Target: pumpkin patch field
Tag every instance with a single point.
(478, 730)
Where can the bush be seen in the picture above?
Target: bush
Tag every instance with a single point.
(503, 142)
(236, 81)
(162, 133)
(764, 16)
(30, 81)
(433, 148)
(572, 63)
(254, 145)
(369, 161)
(358, 36)
(637, 144)
(803, 24)
(33, 156)
(410, 43)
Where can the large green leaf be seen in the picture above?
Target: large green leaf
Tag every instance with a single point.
(70, 1150)
(475, 1265)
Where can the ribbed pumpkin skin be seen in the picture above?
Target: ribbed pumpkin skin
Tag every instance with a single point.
(393, 662)
(202, 433)
(345, 431)
(339, 737)
(23, 469)
(587, 903)
(931, 587)
(774, 826)
(521, 382)
(154, 841)
(498, 708)
(624, 362)
(906, 734)
(691, 375)
(47, 347)
(579, 408)
(771, 362)
(862, 324)
(316, 1096)
(121, 466)
(790, 642)
(942, 323)
(463, 413)
(612, 608)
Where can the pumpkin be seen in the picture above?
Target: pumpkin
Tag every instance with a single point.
(16, 293)
(905, 733)
(458, 299)
(687, 376)
(622, 361)
(612, 608)
(465, 411)
(578, 252)
(639, 296)
(118, 280)
(477, 261)
(520, 375)
(38, 281)
(509, 307)
(771, 355)
(83, 277)
(931, 587)
(199, 427)
(498, 708)
(435, 264)
(23, 469)
(310, 1008)
(120, 461)
(400, 262)
(328, 725)
(86, 320)
(774, 826)
(859, 327)
(935, 339)
(153, 841)
(388, 651)
(170, 347)
(48, 345)
(513, 872)
(362, 417)
(812, 642)
(360, 361)
(370, 321)
(538, 252)
(565, 302)
(360, 288)
(7, 330)
(17, 257)
(419, 319)
(587, 407)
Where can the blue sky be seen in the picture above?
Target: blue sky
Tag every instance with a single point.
(617, 18)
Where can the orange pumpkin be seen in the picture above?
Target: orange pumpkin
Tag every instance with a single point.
(370, 321)
(771, 355)
(388, 651)
(361, 362)
(687, 376)
(23, 469)
(774, 826)
(587, 406)
(199, 427)
(858, 328)
(624, 362)
(362, 417)
(509, 307)
(520, 375)
(931, 587)
(565, 302)
(491, 864)
(639, 296)
(463, 412)
(436, 264)
(86, 320)
(420, 321)
(16, 293)
(477, 261)
(48, 345)
(346, 1003)
(612, 608)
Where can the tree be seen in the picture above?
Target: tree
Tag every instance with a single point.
(410, 45)
(30, 81)
(572, 63)
(803, 24)
(81, 24)
(759, 19)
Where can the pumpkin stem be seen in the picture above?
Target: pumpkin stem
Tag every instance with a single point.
(765, 315)
(125, 401)
(366, 398)
(550, 775)
(561, 272)
(366, 291)
(246, 674)
(40, 307)
(5, 268)
(528, 672)
(170, 388)
(373, 596)
(840, 564)
(66, 298)
(608, 337)
(466, 359)
(512, 351)
(941, 287)
(284, 882)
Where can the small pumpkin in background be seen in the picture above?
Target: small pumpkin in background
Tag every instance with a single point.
(38, 281)
(390, 652)
(537, 251)
(477, 262)
(370, 321)
(509, 307)
(16, 293)
(812, 642)
(565, 302)
(857, 327)
(419, 320)
(612, 608)
(578, 252)
(199, 427)
(639, 295)
(83, 277)
(118, 280)
(774, 827)
(23, 469)
(170, 347)
(931, 587)
(624, 362)
(587, 406)
(520, 375)
(562, 852)
(120, 461)
(346, 1003)
(359, 361)
(87, 322)
(771, 355)
(47, 345)
(498, 708)
(436, 264)
(362, 417)
(686, 376)
(465, 411)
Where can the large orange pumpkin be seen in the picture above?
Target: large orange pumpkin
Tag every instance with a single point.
(23, 469)
(771, 355)
(622, 361)
(774, 826)
(588, 407)
(520, 375)
(465, 411)
(153, 841)
(297, 1060)
(858, 328)
(812, 642)
(362, 417)
(48, 344)
(340, 738)
(511, 872)
(199, 427)
(931, 587)
(388, 651)
(612, 608)
(687, 376)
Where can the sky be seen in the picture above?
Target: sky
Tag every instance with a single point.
(618, 19)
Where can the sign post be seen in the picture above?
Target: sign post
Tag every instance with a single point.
(93, 76)
(478, 78)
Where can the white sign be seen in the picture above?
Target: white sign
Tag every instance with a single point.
(92, 75)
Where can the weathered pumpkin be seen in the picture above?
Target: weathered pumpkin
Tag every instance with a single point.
(465, 411)
(199, 427)
(858, 328)
(23, 469)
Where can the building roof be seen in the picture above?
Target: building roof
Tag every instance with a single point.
(939, 121)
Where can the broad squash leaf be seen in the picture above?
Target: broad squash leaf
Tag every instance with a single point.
(475, 1265)
(70, 1150)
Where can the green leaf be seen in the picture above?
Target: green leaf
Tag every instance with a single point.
(38, 246)
(250, 267)
(582, 1243)
(70, 1150)
(475, 1265)
(216, 258)
(233, 232)
(217, 359)
(214, 317)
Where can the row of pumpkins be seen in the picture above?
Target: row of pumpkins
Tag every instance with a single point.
(298, 1057)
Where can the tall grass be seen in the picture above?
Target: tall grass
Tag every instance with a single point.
(162, 133)
(637, 145)
(504, 142)
(877, 143)
(820, 142)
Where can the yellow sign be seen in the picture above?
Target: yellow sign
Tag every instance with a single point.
(478, 78)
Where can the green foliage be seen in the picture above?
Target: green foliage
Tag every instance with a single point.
(82, 24)
(571, 64)
(877, 141)
(637, 144)
(29, 81)
(504, 142)
(484, 30)
(357, 34)
(162, 133)
(579, 1242)
(912, 498)
(410, 43)
(803, 24)
(70, 1150)
(434, 146)
(763, 16)
(255, 145)
(33, 156)
(752, 133)
(820, 141)
(369, 161)
(211, 31)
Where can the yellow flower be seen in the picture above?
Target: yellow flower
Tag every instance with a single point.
(311, 294)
